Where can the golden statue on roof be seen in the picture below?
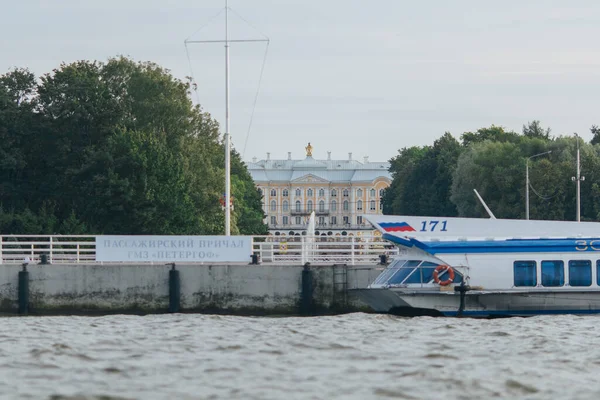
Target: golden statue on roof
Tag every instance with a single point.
(308, 150)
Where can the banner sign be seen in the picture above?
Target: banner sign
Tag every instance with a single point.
(121, 248)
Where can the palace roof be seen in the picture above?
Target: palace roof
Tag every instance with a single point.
(334, 171)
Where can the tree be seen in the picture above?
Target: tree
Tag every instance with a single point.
(493, 168)
(248, 209)
(535, 130)
(114, 147)
(18, 126)
(422, 178)
(596, 134)
(493, 133)
(397, 199)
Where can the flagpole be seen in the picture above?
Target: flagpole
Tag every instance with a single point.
(227, 136)
(227, 133)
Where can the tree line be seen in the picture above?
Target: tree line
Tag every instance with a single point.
(115, 148)
(438, 180)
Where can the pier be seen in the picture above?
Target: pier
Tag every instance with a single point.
(62, 275)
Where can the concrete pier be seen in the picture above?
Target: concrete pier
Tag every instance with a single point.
(232, 289)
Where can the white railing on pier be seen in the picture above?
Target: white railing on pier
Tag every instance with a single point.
(280, 250)
(348, 250)
(57, 248)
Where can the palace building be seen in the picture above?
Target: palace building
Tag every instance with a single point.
(340, 192)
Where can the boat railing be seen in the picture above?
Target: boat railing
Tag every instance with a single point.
(277, 250)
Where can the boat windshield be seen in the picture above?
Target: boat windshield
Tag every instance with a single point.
(411, 272)
(403, 272)
(389, 271)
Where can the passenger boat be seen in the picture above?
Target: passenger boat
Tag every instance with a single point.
(487, 267)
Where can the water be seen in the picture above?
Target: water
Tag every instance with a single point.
(356, 356)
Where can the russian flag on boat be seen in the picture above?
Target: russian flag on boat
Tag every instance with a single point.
(396, 227)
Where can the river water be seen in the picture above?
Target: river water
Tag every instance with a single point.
(354, 356)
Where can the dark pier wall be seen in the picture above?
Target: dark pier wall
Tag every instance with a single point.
(232, 289)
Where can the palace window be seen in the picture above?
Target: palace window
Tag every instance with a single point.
(321, 206)
(321, 192)
(346, 220)
(298, 206)
(273, 205)
(334, 206)
(285, 220)
(346, 205)
(286, 206)
(309, 206)
(525, 273)
(345, 193)
(333, 193)
(273, 192)
(372, 205)
(309, 192)
(333, 220)
(285, 193)
(553, 273)
(359, 220)
(359, 205)
(381, 192)
(298, 220)
(298, 193)
(273, 220)
(321, 220)
(373, 192)
(580, 273)
(359, 193)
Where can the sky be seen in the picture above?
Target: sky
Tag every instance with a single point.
(348, 76)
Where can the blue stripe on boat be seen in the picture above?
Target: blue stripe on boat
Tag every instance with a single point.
(579, 245)
(521, 312)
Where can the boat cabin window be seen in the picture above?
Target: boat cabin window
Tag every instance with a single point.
(580, 273)
(411, 272)
(389, 271)
(403, 272)
(525, 273)
(458, 278)
(423, 274)
(553, 273)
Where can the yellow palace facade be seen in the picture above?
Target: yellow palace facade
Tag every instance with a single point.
(340, 192)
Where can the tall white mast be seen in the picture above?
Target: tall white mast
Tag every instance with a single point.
(227, 137)
(578, 177)
(578, 183)
(227, 134)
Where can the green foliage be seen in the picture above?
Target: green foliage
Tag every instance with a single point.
(114, 147)
(494, 162)
(534, 130)
(247, 199)
(25, 222)
(422, 178)
(493, 133)
(596, 134)
(495, 170)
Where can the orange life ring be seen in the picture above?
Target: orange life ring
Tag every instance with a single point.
(439, 270)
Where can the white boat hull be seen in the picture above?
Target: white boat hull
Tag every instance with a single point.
(480, 303)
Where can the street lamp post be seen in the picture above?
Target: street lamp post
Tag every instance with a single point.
(527, 181)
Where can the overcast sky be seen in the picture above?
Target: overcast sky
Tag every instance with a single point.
(367, 77)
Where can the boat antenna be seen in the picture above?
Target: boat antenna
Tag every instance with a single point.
(491, 214)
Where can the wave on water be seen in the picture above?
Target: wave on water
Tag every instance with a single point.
(354, 356)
